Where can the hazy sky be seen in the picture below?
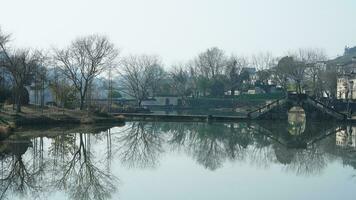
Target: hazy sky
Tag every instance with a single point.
(177, 30)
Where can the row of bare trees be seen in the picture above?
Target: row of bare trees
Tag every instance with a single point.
(74, 67)
(306, 70)
(71, 72)
(213, 72)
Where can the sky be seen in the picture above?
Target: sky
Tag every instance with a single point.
(177, 30)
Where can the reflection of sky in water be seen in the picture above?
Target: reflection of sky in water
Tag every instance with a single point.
(205, 161)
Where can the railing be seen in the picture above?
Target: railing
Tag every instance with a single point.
(328, 109)
(259, 111)
(327, 134)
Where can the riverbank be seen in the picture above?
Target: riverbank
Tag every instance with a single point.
(180, 118)
(31, 115)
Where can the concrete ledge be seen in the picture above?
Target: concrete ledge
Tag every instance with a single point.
(180, 118)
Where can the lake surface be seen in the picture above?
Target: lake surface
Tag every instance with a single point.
(170, 160)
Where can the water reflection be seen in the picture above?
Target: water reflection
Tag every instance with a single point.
(297, 120)
(80, 176)
(67, 165)
(18, 175)
(139, 145)
(346, 138)
(77, 162)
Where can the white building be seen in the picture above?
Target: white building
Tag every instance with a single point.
(36, 97)
(346, 88)
(252, 72)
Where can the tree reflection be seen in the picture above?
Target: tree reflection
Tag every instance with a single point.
(208, 150)
(18, 175)
(70, 162)
(62, 146)
(180, 134)
(307, 162)
(81, 177)
(140, 146)
(210, 144)
(236, 140)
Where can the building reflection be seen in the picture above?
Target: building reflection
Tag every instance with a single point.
(296, 120)
(346, 137)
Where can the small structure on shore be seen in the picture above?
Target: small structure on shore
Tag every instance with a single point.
(163, 101)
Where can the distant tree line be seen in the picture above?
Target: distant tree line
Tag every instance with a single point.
(71, 73)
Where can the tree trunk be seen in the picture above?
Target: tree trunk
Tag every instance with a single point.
(81, 102)
(314, 86)
(18, 103)
(232, 92)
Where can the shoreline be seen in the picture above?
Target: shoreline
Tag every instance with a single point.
(204, 118)
(180, 118)
(9, 123)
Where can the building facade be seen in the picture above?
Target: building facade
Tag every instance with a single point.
(346, 88)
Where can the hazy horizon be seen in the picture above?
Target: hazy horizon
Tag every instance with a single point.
(179, 30)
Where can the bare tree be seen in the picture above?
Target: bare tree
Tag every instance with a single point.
(21, 64)
(194, 78)
(138, 73)
(315, 66)
(41, 80)
(263, 61)
(110, 88)
(85, 59)
(329, 82)
(211, 63)
(158, 73)
(280, 77)
(290, 69)
(233, 72)
(61, 87)
(180, 81)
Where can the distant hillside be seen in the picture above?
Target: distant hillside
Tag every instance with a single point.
(345, 59)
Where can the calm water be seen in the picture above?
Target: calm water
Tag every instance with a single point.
(161, 160)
